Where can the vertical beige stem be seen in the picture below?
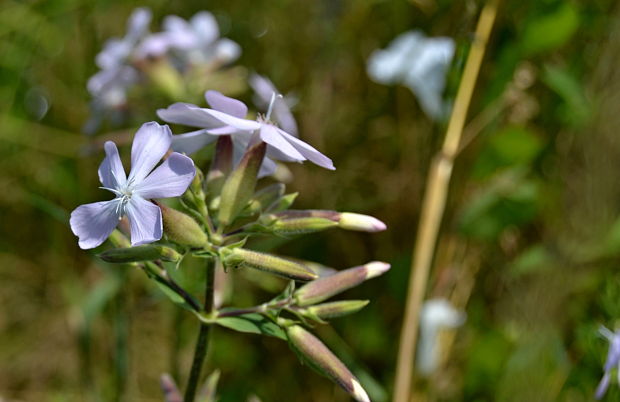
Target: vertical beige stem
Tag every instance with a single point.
(434, 203)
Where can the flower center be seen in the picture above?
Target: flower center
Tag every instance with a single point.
(123, 196)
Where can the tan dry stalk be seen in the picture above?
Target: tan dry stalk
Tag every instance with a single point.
(434, 202)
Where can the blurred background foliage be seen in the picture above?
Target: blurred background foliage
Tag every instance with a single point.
(529, 246)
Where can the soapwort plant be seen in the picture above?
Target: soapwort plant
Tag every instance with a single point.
(215, 218)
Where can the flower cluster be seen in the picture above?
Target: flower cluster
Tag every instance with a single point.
(182, 48)
(220, 212)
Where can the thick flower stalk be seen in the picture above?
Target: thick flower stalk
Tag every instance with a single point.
(93, 223)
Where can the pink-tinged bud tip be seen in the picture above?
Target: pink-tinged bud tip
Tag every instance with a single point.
(359, 222)
(359, 393)
(376, 268)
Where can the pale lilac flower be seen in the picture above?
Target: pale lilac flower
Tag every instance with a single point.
(436, 315)
(264, 89)
(613, 360)
(109, 85)
(196, 40)
(418, 62)
(117, 51)
(93, 223)
(227, 118)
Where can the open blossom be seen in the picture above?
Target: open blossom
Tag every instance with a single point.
(197, 40)
(264, 89)
(418, 62)
(93, 223)
(228, 118)
(613, 360)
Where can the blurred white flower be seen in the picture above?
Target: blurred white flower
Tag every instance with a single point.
(109, 86)
(436, 315)
(418, 62)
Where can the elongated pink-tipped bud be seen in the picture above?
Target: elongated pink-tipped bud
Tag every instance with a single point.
(239, 186)
(220, 166)
(359, 222)
(181, 228)
(268, 263)
(147, 252)
(314, 353)
(326, 311)
(171, 392)
(324, 288)
(344, 220)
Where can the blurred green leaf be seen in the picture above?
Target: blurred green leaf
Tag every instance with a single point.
(533, 259)
(511, 200)
(576, 109)
(550, 31)
(511, 146)
(253, 324)
(99, 296)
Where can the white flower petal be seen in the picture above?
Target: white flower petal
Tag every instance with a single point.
(272, 136)
(111, 171)
(150, 144)
(170, 179)
(144, 220)
(309, 152)
(93, 223)
(194, 141)
(223, 103)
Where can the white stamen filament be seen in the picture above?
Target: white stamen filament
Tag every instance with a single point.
(271, 103)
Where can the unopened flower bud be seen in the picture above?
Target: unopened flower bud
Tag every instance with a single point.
(196, 185)
(268, 263)
(335, 309)
(344, 220)
(181, 228)
(293, 226)
(166, 78)
(326, 287)
(118, 239)
(169, 387)
(314, 353)
(220, 166)
(266, 196)
(147, 252)
(283, 202)
(239, 186)
(359, 222)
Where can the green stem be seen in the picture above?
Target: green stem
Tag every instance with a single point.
(203, 337)
(261, 309)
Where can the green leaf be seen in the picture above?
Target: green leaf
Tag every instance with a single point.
(253, 324)
(550, 31)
